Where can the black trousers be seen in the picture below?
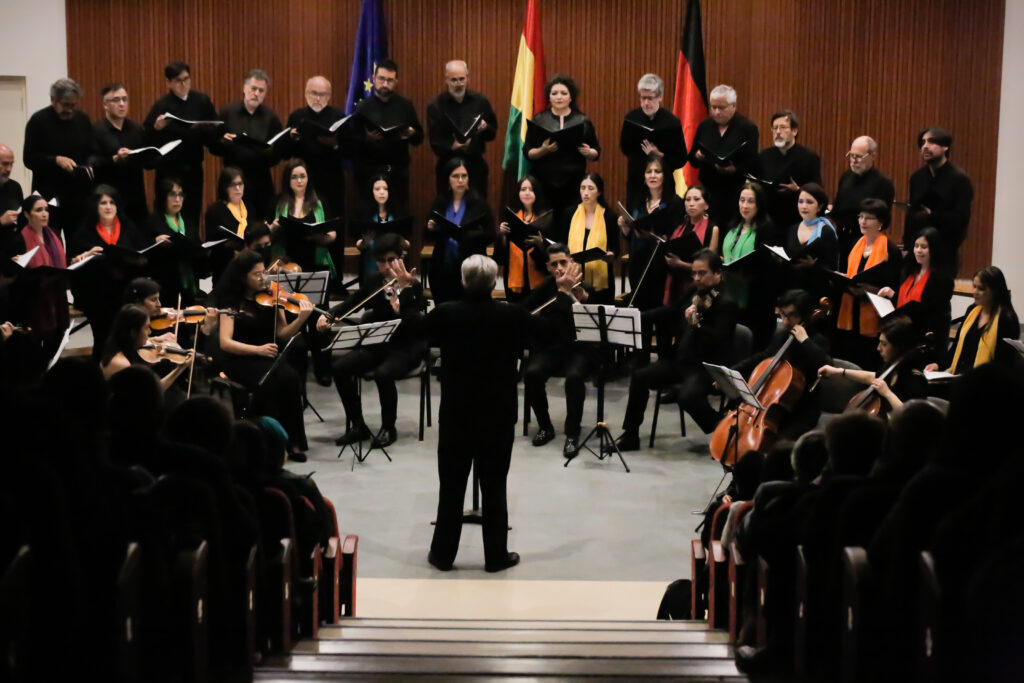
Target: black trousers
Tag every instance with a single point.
(459, 447)
(574, 363)
(387, 365)
(692, 384)
(664, 323)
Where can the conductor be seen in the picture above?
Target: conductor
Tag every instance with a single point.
(481, 341)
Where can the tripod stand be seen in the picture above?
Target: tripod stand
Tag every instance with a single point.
(606, 326)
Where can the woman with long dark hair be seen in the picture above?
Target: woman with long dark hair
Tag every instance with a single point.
(178, 276)
(590, 225)
(298, 200)
(228, 212)
(524, 271)
(128, 334)
(751, 228)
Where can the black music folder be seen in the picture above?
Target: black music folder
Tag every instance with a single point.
(519, 230)
(462, 132)
(568, 138)
(721, 158)
(451, 230)
(635, 133)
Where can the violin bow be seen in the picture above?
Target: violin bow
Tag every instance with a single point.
(362, 303)
(192, 365)
(177, 316)
(654, 252)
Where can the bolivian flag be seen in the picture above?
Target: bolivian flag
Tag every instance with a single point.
(527, 90)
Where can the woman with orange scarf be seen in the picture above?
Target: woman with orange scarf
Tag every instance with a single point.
(858, 323)
(524, 271)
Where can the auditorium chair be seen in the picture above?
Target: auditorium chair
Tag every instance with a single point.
(800, 615)
(736, 574)
(338, 590)
(855, 588)
(702, 573)
(929, 619)
(15, 610)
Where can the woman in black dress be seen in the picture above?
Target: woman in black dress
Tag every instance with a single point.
(228, 212)
(252, 338)
(176, 276)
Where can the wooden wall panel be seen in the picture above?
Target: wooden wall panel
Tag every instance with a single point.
(886, 68)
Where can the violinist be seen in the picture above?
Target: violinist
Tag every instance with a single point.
(145, 292)
(988, 320)
(807, 354)
(525, 271)
(709, 326)
(878, 259)
(388, 362)
(299, 200)
(250, 341)
(129, 334)
(901, 381)
(258, 238)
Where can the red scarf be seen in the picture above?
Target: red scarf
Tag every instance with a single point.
(912, 291)
(700, 229)
(51, 251)
(114, 236)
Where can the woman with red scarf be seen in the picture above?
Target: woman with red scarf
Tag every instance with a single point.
(98, 287)
(858, 324)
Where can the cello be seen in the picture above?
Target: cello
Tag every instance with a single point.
(869, 400)
(778, 386)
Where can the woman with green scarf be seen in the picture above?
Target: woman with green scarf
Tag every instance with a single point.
(751, 228)
(298, 200)
(174, 276)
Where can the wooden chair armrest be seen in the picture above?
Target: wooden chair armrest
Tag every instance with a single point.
(349, 553)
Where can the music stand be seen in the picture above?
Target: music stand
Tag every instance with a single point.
(356, 337)
(314, 285)
(606, 326)
(734, 388)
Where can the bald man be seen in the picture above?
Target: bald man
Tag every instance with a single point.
(862, 181)
(322, 153)
(451, 114)
(11, 194)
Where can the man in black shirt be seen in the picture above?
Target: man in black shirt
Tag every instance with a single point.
(58, 142)
(11, 194)
(706, 337)
(450, 116)
(784, 167)
(116, 135)
(666, 129)
(940, 193)
(385, 152)
(185, 163)
(724, 134)
(251, 119)
(862, 181)
(322, 153)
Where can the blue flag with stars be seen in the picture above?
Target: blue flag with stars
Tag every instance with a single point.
(371, 48)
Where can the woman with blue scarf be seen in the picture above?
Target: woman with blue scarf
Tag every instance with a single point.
(812, 241)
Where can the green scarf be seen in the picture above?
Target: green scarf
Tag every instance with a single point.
(321, 255)
(185, 272)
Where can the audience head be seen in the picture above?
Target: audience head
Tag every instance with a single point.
(722, 104)
(318, 93)
(385, 79)
(75, 394)
(753, 205)
(809, 456)
(231, 185)
(990, 289)
(696, 203)
(277, 443)
(862, 154)
(36, 211)
(64, 96)
(854, 441)
(6, 163)
(169, 197)
(128, 332)
(478, 275)
(561, 92)
(179, 78)
(201, 421)
(934, 144)
(103, 203)
(785, 127)
(254, 88)
(746, 475)
(896, 339)
(651, 88)
(592, 189)
(456, 78)
(812, 201)
(984, 407)
(136, 408)
(874, 216)
(778, 463)
(247, 452)
(915, 436)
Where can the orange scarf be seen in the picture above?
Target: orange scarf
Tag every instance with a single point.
(912, 291)
(113, 236)
(515, 266)
(869, 322)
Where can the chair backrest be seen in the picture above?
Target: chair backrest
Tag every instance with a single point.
(856, 573)
(718, 521)
(742, 343)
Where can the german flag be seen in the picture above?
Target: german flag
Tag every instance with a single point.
(690, 103)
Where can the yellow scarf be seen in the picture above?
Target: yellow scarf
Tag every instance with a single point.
(987, 343)
(596, 272)
(869, 322)
(240, 215)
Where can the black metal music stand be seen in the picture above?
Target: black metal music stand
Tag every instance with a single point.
(312, 284)
(606, 326)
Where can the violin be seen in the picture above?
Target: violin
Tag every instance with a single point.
(778, 386)
(275, 295)
(154, 353)
(192, 315)
(280, 266)
(869, 400)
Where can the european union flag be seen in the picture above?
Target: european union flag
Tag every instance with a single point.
(371, 48)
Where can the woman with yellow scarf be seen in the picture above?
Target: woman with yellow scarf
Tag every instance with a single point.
(229, 212)
(858, 323)
(990, 319)
(591, 226)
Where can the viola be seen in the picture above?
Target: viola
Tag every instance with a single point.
(778, 387)
(277, 296)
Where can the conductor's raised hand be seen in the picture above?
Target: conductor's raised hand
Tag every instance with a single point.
(405, 278)
(568, 278)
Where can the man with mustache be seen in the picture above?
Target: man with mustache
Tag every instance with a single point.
(786, 165)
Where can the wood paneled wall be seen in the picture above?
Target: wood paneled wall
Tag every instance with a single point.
(886, 68)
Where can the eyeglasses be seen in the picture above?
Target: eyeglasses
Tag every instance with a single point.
(858, 157)
(181, 80)
(237, 183)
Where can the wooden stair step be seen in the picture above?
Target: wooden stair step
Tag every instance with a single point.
(325, 667)
(523, 635)
(531, 624)
(423, 648)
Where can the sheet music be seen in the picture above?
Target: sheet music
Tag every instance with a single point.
(60, 349)
(339, 123)
(26, 257)
(938, 375)
(623, 324)
(169, 115)
(1017, 344)
(732, 384)
(213, 243)
(882, 305)
(778, 251)
(309, 282)
(163, 150)
(367, 334)
(76, 266)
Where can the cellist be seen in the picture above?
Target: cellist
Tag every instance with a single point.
(809, 353)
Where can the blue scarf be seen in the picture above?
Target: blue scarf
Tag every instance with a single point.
(451, 247)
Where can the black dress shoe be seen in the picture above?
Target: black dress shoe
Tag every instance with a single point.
(757, 661)
(437, 565)
(544, 435)
(626, 442)
(571, 448)
(511, 560)
(360, 433)
(385, 437)
(297, 456)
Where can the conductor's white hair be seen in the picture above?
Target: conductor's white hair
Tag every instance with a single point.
(726, 91)
(651, 82)
(479, 273)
